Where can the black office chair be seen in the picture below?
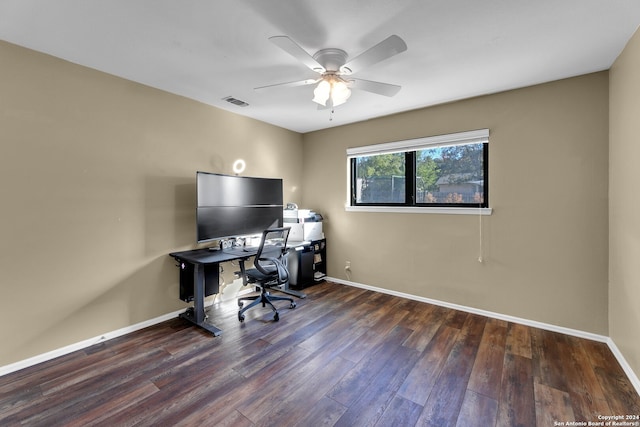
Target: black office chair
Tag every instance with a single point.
(270, 270)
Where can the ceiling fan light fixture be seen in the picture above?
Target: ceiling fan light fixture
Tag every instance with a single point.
(340, 92)
(331, 87)
(322, 92)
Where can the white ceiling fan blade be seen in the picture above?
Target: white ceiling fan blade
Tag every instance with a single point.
(290, 84)
(387, 48)
(385, 89)
(293, 49)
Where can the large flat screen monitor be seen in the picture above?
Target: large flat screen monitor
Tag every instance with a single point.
(232, 206)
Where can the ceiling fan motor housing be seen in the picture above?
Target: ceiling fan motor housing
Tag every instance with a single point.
(331, 59)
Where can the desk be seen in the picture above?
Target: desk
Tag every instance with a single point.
(201, 257)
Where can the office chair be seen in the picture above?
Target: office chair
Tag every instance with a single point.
(270, 270)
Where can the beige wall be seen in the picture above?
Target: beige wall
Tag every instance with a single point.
(545, 246)
(624, 207)
(97, 185)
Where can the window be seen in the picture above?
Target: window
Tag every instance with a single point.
(445, 171)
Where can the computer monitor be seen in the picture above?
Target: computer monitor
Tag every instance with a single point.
(232, 206)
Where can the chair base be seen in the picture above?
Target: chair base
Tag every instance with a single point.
(265, 298)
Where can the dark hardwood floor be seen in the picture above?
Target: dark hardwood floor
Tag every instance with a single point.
(344, 357)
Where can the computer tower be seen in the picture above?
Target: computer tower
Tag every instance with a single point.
(211, 280)
(300, 266)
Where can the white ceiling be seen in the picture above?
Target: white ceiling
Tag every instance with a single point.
(210, 49)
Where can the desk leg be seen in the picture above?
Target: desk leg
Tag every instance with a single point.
(197, 315)
(243, 271)
(198, 293)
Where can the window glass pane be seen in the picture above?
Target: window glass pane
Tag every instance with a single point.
(450, 175)
(380, 178)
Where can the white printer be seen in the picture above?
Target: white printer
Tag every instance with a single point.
(305, 224)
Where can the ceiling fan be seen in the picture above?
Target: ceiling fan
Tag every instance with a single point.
(335, 82)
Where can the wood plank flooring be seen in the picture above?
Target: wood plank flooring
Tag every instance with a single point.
(344, 357)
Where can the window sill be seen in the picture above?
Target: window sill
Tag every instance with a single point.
(420, 210)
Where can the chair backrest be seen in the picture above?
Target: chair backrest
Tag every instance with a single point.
(270, 257)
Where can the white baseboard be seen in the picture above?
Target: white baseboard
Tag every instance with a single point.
(7, 369)
(625, 366)
(532, 323)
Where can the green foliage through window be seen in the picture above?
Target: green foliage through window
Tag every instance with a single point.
(381, 178)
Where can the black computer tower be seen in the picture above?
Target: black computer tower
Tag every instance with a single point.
(211, 280)
(300, 266)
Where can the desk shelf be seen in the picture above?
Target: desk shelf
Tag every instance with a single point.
(319, 260)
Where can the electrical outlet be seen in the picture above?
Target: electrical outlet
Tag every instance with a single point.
(347, 265)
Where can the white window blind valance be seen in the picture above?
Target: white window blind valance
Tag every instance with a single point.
(479, 136)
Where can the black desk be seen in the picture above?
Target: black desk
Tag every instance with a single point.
(201, 257)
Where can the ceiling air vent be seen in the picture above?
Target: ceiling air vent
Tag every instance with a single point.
(235, 101)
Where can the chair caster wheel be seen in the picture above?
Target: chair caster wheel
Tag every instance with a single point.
(241, 317)
(293, 305)
(276, 317)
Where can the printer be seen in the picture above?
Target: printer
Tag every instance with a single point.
(305, 224)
